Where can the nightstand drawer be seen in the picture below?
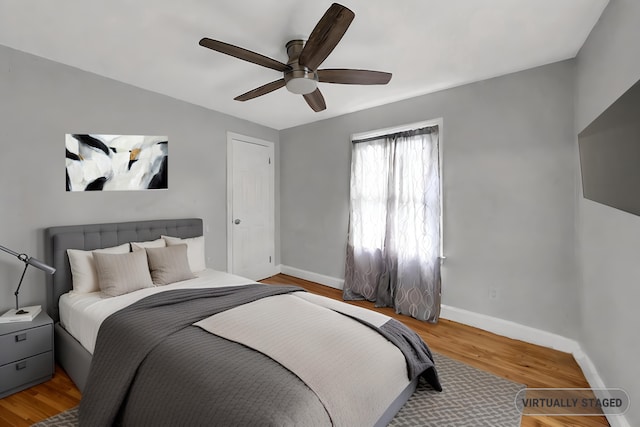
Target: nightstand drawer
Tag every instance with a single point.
(26, 371)
(27, 342)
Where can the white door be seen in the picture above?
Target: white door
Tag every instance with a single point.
(251, 230)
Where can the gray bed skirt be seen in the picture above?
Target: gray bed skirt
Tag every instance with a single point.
(72, 356)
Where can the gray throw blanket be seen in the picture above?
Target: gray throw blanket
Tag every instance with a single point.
(415, 350)
(140, 374)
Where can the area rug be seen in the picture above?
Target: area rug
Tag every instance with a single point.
(470, 397)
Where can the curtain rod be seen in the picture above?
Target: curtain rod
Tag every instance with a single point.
(407, 132)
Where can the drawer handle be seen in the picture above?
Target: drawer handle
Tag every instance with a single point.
(21, 337)
(21, 365)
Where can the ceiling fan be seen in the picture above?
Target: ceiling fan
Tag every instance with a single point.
(301, 73)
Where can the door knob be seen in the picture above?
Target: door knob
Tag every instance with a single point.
(237, 221)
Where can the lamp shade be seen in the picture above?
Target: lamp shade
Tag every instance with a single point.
(41, 265)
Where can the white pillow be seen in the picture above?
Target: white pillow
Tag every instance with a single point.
(122, 273)
(195, 251)
(83, 268)
(158, 243)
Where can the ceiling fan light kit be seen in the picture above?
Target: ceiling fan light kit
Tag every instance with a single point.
(301, 74)
(299, 79)
(301, 85)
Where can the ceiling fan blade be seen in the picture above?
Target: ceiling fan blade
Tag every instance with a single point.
(262, 90)
(353, 77)
(315, 100)
(244, 54)
(325, 36)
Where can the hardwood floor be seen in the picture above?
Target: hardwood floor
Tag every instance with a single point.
(37, 403)
(515, 360)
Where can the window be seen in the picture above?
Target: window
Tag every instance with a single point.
(394, 246)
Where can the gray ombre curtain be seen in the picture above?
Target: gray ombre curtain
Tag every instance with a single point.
(393, 249)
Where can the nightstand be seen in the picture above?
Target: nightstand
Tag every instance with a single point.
(26, 354)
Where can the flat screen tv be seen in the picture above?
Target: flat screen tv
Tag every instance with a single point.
(610, 154)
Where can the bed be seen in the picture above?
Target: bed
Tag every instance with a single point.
(229, 351)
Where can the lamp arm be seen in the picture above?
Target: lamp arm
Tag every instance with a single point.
(9, 251)
(20, 283)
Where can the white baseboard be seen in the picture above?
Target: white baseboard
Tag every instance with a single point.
(595, 381)
(313, 277)
(509, 329)
(497, 326)
(535, 336)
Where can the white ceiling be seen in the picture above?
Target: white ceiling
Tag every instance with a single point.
(428, 45)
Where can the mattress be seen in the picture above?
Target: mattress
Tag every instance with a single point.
(82, 314)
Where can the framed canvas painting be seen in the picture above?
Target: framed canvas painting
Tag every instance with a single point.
(116, 162)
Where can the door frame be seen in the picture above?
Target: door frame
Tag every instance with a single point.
(231, 136)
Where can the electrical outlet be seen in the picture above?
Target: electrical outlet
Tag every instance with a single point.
(493, 293)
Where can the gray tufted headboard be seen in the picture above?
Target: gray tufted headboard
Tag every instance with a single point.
(96, 236)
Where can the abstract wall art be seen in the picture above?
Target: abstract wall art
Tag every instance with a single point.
(116, 162)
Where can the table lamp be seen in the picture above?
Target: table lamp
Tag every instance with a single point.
(27, 262)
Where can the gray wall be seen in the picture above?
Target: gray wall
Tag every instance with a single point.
(509, 193)
(41, 101)
(609, 239)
